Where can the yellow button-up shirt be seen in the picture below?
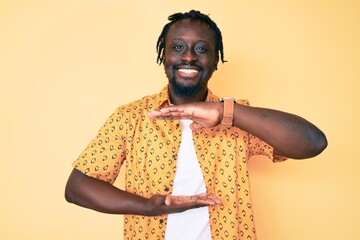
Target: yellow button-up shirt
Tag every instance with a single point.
(149, 149)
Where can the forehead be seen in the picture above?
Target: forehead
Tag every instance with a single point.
(191, 29)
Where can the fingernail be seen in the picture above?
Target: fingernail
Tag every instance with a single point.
(167, 201)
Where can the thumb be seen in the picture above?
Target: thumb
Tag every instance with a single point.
(168, 200)
(195, 126)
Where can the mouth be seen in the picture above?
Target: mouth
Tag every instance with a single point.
(188, 71)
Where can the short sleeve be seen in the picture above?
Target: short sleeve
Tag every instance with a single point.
(259, 147)
(104, 155)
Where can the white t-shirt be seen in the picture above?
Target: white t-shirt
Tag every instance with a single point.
(189, 180)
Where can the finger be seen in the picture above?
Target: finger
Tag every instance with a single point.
(164, 111)
(169, 116)
(177, 112)
(195, 200)
(154, 114)
(208, 201)
(172, 109)
(163, 115)
(168, 200)
(215, 199)
(195, 126)
(184, 112)
(171, 200)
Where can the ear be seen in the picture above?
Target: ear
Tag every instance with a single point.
(216, 61)
(163, 57)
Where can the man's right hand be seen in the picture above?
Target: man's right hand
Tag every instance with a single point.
(103, 197)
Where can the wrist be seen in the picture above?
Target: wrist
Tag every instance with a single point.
(228, 111)
(154, 206)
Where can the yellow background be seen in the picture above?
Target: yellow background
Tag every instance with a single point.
(66, 65)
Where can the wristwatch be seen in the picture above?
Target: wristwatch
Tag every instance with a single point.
(228, 112)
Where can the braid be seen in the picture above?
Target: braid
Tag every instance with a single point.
(160, 45)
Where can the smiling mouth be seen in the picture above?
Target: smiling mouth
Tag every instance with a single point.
(188, 71)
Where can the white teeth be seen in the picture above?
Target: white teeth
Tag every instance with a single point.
(188, 71)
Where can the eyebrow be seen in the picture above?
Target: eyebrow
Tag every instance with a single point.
(182, 39)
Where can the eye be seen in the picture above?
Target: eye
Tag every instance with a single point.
(178, 47)
(201, 49)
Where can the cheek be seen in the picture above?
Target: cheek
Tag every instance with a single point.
(168, 69)
(209, 66)
(209, 61)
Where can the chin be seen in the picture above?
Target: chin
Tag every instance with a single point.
(184, 90)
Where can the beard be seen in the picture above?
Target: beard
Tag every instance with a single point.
(184, 90)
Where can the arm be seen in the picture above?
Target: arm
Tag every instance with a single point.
(103, 197)
(290, 135)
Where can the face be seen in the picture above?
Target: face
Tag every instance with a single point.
(189, 57)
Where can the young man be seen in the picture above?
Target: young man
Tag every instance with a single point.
(185, 150)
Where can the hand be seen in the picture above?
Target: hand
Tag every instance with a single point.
(203, 114)
(160, 204)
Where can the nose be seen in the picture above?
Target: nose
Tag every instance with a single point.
(189, 56)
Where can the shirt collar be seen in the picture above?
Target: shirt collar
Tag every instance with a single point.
(163, 99)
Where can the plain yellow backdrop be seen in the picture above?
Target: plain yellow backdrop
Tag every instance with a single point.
(66, 65)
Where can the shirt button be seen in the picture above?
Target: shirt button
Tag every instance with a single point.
(174, 156)
(166, 189)
(161, 220)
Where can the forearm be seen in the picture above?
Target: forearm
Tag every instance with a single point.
(290, 135)
(103, 197)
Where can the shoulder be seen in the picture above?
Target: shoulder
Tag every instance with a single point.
(211, 97)
(136, 107)
(243, 102)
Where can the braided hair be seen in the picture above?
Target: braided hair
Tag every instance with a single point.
(196, 15)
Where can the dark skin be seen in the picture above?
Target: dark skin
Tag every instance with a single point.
(190, 59)
(290, 135)
(104, 197)
(192, 38)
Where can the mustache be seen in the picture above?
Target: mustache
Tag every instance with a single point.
(186, 64)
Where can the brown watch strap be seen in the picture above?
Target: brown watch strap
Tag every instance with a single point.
(228, 112)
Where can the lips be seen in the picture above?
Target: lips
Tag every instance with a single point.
(188, 70)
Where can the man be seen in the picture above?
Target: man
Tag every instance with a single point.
(185, 150)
